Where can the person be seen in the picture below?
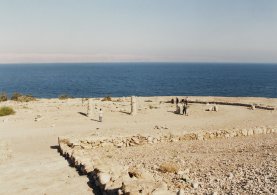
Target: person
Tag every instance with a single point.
(177, 106)
(185, 109)
(186, 101)
(177, 100)
(100, 115)
(180, 107)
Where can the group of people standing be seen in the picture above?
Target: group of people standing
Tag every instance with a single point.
(181, 106)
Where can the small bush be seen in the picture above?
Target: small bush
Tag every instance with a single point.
(108, 98)
(169, 167)
(153, 107)
(119, 100)
(4, 111)
(15, 96)
(64, 97)
(3, 97)
(22, 98)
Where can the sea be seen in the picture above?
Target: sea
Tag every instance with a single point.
(140, 79)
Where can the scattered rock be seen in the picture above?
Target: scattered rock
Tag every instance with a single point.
(38, 118)
(195, 185)
(141, 174)
(104, 178)
(186, 178)
(250, 132)
(181, 192)
(230, 175)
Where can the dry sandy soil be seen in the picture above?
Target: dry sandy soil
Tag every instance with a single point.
(30, 163)
(241, 165)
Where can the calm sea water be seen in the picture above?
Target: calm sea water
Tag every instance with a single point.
(142, 79)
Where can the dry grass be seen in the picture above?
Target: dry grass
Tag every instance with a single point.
(3, 97)
(153, 107)
(108, 98)
(22, 98)
(64, 97)
(5, 111)
(118, 100)
(169, 167)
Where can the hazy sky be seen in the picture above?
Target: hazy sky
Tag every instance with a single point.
(138, 30)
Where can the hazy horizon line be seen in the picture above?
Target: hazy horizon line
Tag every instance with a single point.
(136, 62)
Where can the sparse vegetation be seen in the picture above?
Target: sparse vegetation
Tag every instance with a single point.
(4, 111)
(108, 98)
(15, 96)
(22, 98)
(64, 97)
(118, 100)
(169, 167)
(3, 97)
(153, 107)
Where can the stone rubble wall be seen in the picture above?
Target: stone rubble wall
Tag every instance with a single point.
(107, 176)
(263, 107)
(111, 178)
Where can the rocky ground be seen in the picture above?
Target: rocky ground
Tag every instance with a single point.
(242, 165)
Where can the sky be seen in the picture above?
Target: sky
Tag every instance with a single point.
(138, 30)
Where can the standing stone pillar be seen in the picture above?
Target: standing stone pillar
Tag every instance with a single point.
(133, 105)
(89, 108)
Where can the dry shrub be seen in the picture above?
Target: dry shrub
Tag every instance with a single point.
(22, 98)
(4, 111)
(3, 97)
(153, 107)
(15, 96)
(64, 97)
(118, 100)
(108, 98)
(169, 167)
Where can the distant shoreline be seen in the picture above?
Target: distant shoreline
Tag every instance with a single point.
(136, 63)
(159, 96)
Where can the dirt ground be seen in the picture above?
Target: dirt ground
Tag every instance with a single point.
(225, 166)
(30, 163)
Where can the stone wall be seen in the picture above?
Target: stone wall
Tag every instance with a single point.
(111, 178)
(263, 107)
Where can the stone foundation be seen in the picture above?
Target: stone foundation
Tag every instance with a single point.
(250, 106)
(111, 178)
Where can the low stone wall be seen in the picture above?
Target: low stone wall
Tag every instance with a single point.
(93, 142)
(111, 178)
(263, 107)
